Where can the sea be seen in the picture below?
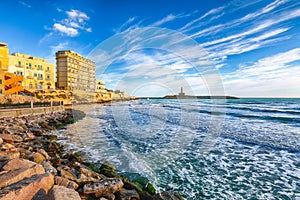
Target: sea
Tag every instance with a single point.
(245, 148)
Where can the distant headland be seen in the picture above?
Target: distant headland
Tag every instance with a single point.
(182, 95)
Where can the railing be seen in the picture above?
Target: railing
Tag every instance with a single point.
(31, 105)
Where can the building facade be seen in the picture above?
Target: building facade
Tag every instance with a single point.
(74, 72)
(3, 64)
(37, 72)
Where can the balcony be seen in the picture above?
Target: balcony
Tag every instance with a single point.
(29, 77)
(20, 66)
(40, 78)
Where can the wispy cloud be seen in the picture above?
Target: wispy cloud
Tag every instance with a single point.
(169, 18)
(125, 24)
(23, 3)
(275, 76)
(258, 27)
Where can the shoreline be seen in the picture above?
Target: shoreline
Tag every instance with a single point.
(32, 161)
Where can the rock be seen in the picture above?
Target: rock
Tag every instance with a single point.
(86, 179)
(28, 188)
(51, 137)
(166, 195)
(14, 129)
(49, 168)
(65, 182)
(37, 131)
(63, 193)
(38, 158)
(109, 196)
(105, 186)
(89, 173)
(17, 163)
(25, 154)
(11, 177)
(7, 152)
(29, 136)
(68, 174)
(44, 153)
(6, 146)
(1, 141)
(11, 138)
(151, 189)
(125, 194)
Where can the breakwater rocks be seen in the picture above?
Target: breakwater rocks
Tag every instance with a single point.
(34, 166)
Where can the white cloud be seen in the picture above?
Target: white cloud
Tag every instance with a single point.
(23, 3)
(77, 15)
(70, 26)
(168, 18)
(125, 24)
(273, 76)
(69, 31)
(188, 26)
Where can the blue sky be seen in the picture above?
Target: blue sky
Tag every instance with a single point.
(253, 46)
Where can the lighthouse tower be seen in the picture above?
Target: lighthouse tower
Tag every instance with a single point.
(181, 93)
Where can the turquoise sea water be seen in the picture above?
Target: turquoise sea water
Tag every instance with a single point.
(204, 149)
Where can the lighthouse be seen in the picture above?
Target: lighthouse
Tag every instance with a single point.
(181, 93)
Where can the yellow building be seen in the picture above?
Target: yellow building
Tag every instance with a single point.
(74, 72)
(9, 83)
(103, 95)
(37, 72)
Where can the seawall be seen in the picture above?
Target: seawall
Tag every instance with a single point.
(30, 111)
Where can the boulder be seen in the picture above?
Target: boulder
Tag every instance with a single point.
(89, 173)
(63, 193)
(38, 158)
(28, 136)
(125, 194)
(83, 179)
(7, 152)
(10, 177)
(44, 153)
(68, 174)
(49, 168)
(11, 138)
(28, 188)
(166, 195)
(17, 163)
(65, 182)
(104, 187)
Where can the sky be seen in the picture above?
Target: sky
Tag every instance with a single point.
(244, 48)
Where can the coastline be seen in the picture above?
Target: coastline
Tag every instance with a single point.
(34, 165)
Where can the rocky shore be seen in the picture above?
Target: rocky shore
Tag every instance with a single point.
(34, 166)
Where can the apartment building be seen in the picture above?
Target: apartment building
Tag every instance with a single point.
(74, 72)
(37, 72)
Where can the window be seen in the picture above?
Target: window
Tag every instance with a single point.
(0, 91)
(48, 77)
(35, 75)
(0, 81)
(40, 67)
(48, 68)
(19, 63)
